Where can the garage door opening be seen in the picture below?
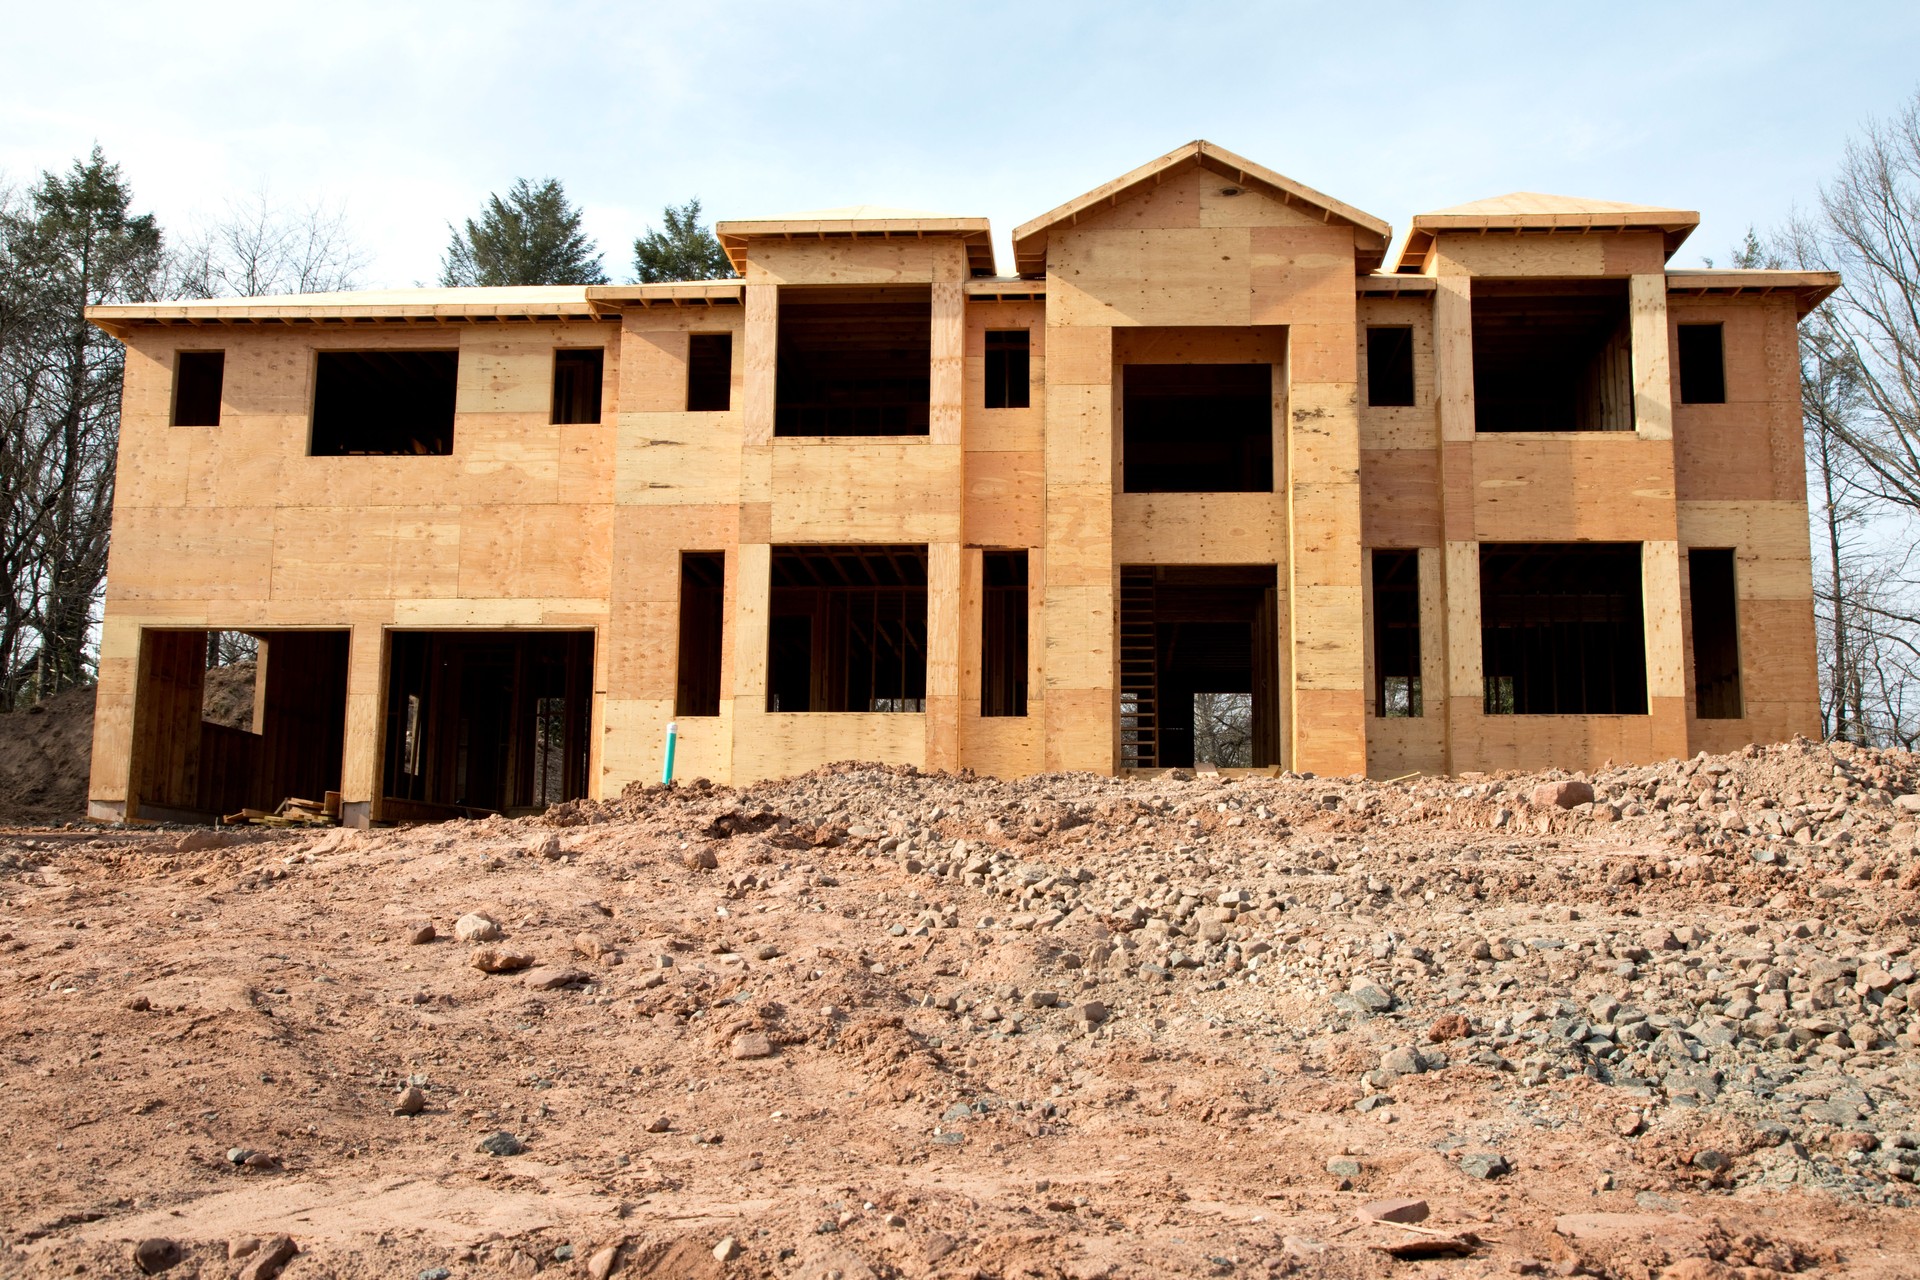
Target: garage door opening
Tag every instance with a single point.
(485, 722)
(1199, 666)
(265, 723)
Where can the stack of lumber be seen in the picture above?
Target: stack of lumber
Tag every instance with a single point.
(293, 812)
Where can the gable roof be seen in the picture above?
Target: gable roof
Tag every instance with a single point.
(1539, 211)
(858, 221)
(1030, 238)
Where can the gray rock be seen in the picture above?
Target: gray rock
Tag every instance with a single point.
(1485, 1165)
(1344, 1167)
(1371, 996)
(501, 1143)
(411, 1102)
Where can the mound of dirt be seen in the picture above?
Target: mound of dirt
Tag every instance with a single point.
(228, 698)
(45, 752)
(1659, 1021)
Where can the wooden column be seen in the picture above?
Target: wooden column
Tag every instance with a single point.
(1660, 556)
(946, 412)
(366, 692)
(1462, 697)
(1082, 710)
(113, 697)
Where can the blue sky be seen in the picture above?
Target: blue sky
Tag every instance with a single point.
(411, 112)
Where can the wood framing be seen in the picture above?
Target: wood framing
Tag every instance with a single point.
(1202, 372)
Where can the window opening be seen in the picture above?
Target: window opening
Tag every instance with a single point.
(1396, 634)
(1003, 634)
(1716, 633)
(703, 577)
(1197, 428)
(1389, 365)
(1552, 356)
(709, 372)
(197, 380)
(577, 375)
(1009, 368)
(384, 403)
(854, 362)
(1561, 629)
(1703, 367)
(848, 629)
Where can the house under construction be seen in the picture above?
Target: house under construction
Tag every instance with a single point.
(1518, 496)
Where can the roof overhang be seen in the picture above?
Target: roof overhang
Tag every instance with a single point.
(1509, 215)
(529, 304)
(1370, 240)
(1809, 288)
(973, 233)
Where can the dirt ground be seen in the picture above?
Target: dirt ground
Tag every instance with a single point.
(874, 1023)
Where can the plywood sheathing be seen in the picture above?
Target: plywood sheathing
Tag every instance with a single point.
(1496, 220)
(1195, 256)
(1370, 234)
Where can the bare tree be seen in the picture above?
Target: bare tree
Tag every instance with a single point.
(1223, 729)
(259, 247)
(68, 243)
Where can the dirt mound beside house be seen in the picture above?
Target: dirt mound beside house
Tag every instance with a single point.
(45, 752)
(1652, 1022)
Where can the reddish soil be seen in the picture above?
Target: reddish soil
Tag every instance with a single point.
(846, 1022)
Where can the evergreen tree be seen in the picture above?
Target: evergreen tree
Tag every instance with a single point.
(684, 251)
(531, 237)
(69, 244)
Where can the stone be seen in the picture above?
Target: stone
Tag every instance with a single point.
(938, 1245)
(272, 1255)
(602, 1263)
(201, 842)
(727, 1250)
(1485, 1165)
(1344, 1167)
(436, 1273)
(476, 926)
(1404, 1209)
(501, 1143)
(659, 1124)
(702, 859)
(1042, 999)
(766, 951)
(1448, 1026)
(1404, 1061)
(421, 934)
(1090, 1012)
(1370, 995)
(411, 1102)
(1907, 803)
(139, 1004)
(156, 1254)
(545, 846)
(242, 1246)
(500, 960)
(1562, 795)
(549, 977)
(749, 1045)
(1712, 1161)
